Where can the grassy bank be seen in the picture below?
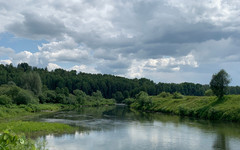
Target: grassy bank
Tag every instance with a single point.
(36, 128)
(205, 107)
(18, 112)
(10, 120)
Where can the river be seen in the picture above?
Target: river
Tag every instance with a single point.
(118, 128)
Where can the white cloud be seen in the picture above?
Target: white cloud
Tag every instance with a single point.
(52, 66)
(148, 37)
(176, 68)
(7, 61)
(140, 68)
(66, 51)
(84, 68)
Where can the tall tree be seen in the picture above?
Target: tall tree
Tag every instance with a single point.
(219, 83)
(32, 81)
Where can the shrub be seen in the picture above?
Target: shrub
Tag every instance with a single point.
(5, 100)
(50, 96)
(71, 99)
(129, 101)
(177, 95)
(209, 92)
(164, 94)
(11, 141)
(143, 100)
(24, 97)
(81, 100)
(61, 98)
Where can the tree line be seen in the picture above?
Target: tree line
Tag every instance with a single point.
(40, 80)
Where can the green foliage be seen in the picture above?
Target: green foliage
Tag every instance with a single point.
(65, 82)
(219, 83)
(13, 91)
(81, 97)
(72, 99)
(143, 101)
(204, 107)
(32, 81)
(164, 94)
(79, 93)
(129, 101)
(61, 98)
(5, 100)
(110, 86)
(25, 97)
(209, 92)
(97, 94)
(11, 141)
(12, 111)
(49, 96)
(177, 95)
(30, 127)
(118, 96)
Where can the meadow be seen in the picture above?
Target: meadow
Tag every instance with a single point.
(204, 107)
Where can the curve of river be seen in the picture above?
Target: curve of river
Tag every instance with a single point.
(118, 128)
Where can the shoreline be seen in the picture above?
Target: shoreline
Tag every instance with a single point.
(199, 107)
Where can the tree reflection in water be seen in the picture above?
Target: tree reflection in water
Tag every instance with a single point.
(221, 142)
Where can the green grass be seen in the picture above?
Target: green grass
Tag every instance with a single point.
(206, 107)
(17, 112)
(33, 128)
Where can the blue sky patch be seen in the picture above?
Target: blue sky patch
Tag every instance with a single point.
(8, 40)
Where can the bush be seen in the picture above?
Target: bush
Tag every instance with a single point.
(61, 98)
(11, 141)
(5, 100)
(71, 99)
(128, 101)
(143, 100)
(24, 97)
(177, 95)
(50, 96)
(81, 100)
(164, 94)
(209, 92)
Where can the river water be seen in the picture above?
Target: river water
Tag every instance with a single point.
(118, 128)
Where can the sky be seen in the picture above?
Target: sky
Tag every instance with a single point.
(169, 41)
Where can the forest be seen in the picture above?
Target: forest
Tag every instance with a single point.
(70, 87)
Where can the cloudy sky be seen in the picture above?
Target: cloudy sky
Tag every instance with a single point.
(163, 40)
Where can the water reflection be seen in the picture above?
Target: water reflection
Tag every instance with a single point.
(119, 129)
(221, 143)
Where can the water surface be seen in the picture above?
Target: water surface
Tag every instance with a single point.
(117, 128)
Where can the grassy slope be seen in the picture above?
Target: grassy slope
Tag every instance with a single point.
(15, 112)
(30, 127)
(11, 116)
(205, 107)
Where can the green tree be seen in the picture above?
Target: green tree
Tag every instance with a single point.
(143, 100)
(32, 81)
(219, 83)
(24, 97)
(97, 94)
(4, 100)
(118, 96)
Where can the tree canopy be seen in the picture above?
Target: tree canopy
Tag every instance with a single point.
(219, 83)
(59, 83)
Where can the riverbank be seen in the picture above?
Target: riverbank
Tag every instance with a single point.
(18, 112)
(204, 107)
(11, 119)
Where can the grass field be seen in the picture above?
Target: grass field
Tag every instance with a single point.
(206, 107)
(35, 128)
